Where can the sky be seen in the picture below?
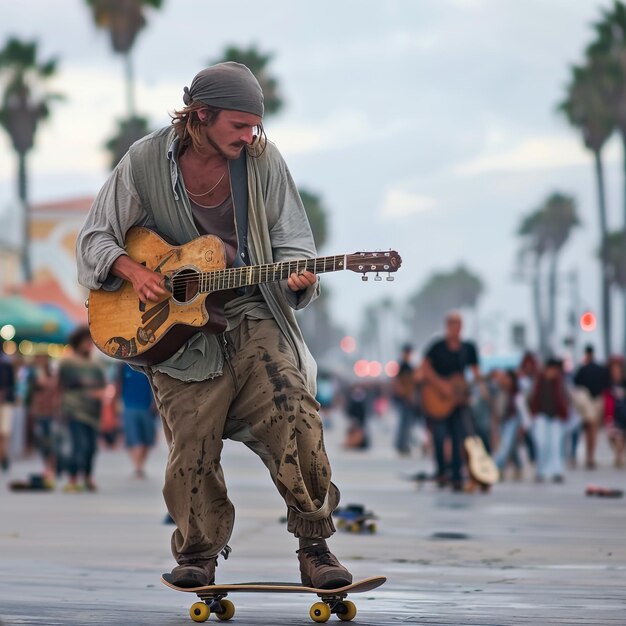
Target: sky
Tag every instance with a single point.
(427, 126)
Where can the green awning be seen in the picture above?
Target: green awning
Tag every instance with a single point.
(30, 321)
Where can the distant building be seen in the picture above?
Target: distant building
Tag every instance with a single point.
(54, 229)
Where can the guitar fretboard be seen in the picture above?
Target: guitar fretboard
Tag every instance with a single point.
(236, 277)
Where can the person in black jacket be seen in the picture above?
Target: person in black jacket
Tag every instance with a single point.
(591, 380)
(445, 360)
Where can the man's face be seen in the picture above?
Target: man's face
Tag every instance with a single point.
(231, 131)
(85, 347)
(453, 327)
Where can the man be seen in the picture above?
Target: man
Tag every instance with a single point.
(138, 416)
(255, 383)
(7, 403)
(444, 365)
(81, 386)
(404, 399)
(591, 381)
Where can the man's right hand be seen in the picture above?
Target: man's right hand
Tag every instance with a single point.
(148, 285)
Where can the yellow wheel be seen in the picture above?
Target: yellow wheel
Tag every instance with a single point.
(372, 528)
(355, 527)
(228, 610)
(320, 612)
(349, 612)
(341, 523)
(199, 612)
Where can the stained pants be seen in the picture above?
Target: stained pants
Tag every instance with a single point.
(261, 400)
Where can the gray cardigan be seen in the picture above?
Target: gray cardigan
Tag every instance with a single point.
(278, 230)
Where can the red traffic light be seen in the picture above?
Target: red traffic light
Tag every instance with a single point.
(588, 321)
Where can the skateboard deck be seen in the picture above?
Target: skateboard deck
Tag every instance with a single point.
(333, 600)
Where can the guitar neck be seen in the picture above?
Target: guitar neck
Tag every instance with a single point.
(236, 277)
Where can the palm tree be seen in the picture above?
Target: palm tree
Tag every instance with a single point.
(616, 261)
(257, 63)
(559, 217)
(534, 247)
(589, 106)
(25, 103)
(609, 47)
(317, 216)
(128, 131)
(124, 19)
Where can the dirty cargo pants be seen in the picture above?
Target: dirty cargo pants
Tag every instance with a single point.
(261, 400)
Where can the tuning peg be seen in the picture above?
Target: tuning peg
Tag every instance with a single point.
(378, 277)
(390, 277)
(364, 278)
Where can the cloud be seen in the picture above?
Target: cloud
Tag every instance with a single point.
(535, 153)
(342, 129)
(73, 139)
(399, 203)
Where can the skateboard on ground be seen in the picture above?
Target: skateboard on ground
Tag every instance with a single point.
(355, 519)
(332, 600)
(603, 492)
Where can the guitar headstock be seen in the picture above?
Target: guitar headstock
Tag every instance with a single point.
(379, 261)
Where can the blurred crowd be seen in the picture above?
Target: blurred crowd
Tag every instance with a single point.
(536, 420)
(64, 410)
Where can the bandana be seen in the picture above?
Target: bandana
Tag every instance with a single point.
(229, 85)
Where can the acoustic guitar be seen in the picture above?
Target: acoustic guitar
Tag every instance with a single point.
(195, 273)
(439, 400)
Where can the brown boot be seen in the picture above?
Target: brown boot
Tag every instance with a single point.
(195, 574)
(320, 568)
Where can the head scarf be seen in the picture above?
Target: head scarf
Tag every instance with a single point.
(229, 85)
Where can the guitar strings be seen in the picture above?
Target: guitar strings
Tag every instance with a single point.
(236, 272)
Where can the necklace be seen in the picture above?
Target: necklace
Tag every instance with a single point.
(206, 193)
(207, 206)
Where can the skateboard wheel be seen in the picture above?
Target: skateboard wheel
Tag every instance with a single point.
(341, 524)
(355, 527)
(320, 612)
(227, 612)
(347, 611)
(199, 612)
(372, 528)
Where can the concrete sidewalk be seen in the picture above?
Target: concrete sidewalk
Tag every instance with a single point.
(523, 554)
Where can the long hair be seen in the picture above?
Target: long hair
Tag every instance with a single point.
(189, 128)
(188, 125)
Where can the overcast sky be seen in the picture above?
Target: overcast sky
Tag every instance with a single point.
(428, 126)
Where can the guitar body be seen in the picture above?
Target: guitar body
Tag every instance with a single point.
(195, 273)
(124, 328)
(439, 401)
(479, 464)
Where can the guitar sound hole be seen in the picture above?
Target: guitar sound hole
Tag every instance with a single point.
(185, 285)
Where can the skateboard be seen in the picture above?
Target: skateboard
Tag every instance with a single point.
(355, 519)
(332, 600)
(603, 492)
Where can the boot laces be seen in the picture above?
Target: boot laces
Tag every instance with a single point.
(320, 556)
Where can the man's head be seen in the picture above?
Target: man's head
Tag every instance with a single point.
(454, 325)
(589, 353)
(80, 342)
(223, 112)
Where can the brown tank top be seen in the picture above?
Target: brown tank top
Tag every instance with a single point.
(219, 221)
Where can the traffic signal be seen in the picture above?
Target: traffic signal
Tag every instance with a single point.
(588, 321)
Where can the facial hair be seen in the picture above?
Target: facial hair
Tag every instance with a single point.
(219, 150)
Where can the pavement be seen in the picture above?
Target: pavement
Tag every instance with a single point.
(524, 553)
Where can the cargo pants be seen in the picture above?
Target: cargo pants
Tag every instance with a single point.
(261, 400)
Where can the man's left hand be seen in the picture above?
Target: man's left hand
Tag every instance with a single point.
(298, 282)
